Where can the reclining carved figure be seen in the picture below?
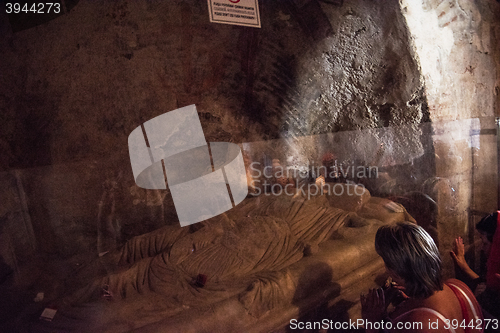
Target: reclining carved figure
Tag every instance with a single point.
(264, 235)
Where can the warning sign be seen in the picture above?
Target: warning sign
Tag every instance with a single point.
(236, 12)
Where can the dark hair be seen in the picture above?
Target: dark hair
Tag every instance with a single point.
(488, 225)
(409, 250)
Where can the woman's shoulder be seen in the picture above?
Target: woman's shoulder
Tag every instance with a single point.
(464, 295)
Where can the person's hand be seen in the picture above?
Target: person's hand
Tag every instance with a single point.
(458, 256)
(373, 305)
(394, 294)
(458, 253)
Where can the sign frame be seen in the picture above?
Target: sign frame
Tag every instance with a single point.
(234, 12)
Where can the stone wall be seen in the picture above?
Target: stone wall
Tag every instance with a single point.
(457, 44)
(76, 86)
